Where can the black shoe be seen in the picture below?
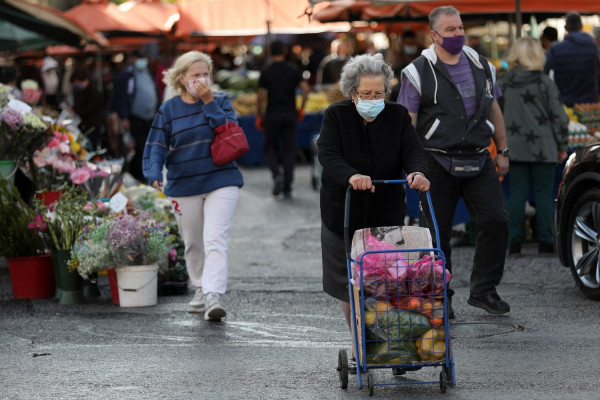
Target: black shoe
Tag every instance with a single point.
(287, 195)
(277, 185)
(514, 249)
(490, 302)
(546, 249)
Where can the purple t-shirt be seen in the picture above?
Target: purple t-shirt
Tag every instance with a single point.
(461, 75)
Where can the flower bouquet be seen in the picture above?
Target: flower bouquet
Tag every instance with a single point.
(63, 220)
(60, 161)
(21, 130)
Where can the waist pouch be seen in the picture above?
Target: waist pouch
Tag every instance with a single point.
(461, 166)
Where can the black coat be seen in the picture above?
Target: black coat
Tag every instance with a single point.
(383, 149)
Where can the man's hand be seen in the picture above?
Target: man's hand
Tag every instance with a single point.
(300, 115)
(501, 164)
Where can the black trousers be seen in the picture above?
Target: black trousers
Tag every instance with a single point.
(280, 138)
(485, 201)
(139, 130)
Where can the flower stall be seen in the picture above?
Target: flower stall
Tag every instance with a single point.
(82, 220)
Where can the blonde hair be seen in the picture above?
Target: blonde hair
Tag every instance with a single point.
(180, 67)
(528, 53)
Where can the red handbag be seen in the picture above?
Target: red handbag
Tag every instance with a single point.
(229, 144)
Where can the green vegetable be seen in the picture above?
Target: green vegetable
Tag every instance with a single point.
(392, 352)
(398, 324)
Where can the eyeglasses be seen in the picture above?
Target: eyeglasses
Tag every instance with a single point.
(371, 96)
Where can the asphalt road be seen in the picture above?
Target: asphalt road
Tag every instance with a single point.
(282, 335)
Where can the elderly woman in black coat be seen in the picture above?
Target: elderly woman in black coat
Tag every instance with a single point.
(364, 138)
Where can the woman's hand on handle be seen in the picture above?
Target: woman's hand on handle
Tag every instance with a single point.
(361, 182)
(416, 180)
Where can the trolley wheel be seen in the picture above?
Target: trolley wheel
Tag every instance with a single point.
(370, 383)
(448, 373)
(343, 368)
(443, 382)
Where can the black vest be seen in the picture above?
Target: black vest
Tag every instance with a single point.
(442, 120)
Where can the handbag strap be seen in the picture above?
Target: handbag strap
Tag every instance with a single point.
(225, 127)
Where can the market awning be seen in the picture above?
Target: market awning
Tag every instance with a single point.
(106, 17)
(248, 18)
(47, 22)
(156, 14)
(406, 10)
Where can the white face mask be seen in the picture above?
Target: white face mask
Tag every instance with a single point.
(192, 90)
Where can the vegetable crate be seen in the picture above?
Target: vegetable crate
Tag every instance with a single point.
(398, 284)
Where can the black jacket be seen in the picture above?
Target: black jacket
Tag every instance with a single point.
(382, 149)
(576, 66)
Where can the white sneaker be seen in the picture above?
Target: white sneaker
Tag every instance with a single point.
(197, 304)
(214, 309)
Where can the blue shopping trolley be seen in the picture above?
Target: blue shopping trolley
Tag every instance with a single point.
(398, 301)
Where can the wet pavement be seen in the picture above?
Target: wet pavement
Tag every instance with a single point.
(282, 335)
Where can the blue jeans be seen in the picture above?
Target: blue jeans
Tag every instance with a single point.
(485, 201)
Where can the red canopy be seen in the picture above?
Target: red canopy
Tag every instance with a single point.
(106, 17)
(247, 18)
(157, 14)
(348, 10)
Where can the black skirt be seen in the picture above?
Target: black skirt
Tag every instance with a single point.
(335, 270)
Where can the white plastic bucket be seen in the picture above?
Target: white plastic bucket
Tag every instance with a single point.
(138, 285)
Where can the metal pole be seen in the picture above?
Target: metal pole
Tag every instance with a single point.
(268, 41)
(519, 18)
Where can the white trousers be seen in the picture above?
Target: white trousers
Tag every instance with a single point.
(204, 222)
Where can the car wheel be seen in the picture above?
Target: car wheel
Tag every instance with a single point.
(582, 248)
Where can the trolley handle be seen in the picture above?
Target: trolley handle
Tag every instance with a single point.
(349, 190)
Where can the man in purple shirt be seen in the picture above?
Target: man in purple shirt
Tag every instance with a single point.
(450, 92)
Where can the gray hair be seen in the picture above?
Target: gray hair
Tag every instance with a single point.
(180, 67)
(364, 65)
(435, 15)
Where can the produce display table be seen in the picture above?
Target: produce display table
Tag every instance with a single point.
(307, 129)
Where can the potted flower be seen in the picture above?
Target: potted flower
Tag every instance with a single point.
(30, 266)
(62, 223)
(133, 244)
(21, 131)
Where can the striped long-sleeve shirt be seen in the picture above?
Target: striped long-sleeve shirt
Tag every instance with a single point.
(180, 138)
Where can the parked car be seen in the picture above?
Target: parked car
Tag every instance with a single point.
(577, 219)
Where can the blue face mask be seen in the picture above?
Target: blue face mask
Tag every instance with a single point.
(141, 63)
(370, 109)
